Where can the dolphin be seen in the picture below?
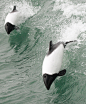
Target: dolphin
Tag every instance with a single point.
(11, 20)
(52, 63)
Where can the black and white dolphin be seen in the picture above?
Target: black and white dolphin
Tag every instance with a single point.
(11, 20)
(52, 63)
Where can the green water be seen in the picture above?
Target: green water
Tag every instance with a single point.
(22, 52)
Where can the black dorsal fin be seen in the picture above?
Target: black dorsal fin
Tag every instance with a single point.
(14, 9)
(50, 45)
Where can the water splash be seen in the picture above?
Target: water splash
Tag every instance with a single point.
(73, 30)
(69, 8)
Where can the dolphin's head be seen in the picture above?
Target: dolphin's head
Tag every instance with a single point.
(48, 80)
(9, 27)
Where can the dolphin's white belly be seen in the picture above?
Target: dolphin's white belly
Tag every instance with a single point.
(52, 63)
(12, 18)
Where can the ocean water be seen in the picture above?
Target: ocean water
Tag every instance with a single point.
(22, 52)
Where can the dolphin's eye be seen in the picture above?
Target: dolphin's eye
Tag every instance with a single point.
(7, 24)
(45, 76)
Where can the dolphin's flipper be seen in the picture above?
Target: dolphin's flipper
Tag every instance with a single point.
(68, 42)
(16, 27)
(62, 72)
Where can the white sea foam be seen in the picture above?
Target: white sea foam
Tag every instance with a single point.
(72, 31)
(69, 8)
(77, 26)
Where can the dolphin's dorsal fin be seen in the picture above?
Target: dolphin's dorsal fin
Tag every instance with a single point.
(50, 45)
(14, 9)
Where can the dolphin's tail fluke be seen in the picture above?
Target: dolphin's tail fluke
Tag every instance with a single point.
(69, 42)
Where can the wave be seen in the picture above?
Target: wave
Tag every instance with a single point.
(23, 51)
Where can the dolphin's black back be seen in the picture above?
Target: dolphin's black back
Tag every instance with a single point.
(52, 46)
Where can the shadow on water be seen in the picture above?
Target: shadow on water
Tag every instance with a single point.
(17, 38)
(24, 38)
